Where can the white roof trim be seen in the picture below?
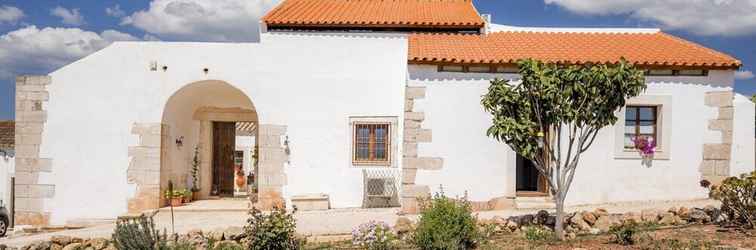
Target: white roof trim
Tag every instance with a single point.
(499, 28)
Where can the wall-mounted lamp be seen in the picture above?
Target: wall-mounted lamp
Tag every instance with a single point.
(165, 68)
(153, 66)
(179, 141)
(206, 70)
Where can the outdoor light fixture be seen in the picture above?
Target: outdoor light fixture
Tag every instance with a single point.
(206, 70)
(179, 141)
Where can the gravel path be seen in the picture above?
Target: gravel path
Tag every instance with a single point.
(330, 222)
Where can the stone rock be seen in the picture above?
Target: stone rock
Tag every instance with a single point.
(541, 217)
(498, 221)
(232, 233)
(403, 225)
(594, 231)
(73, 246)
(39, 245)
(632, 217)
(600, 212)
(216, 235)
(54, 247)
(98, 243)
(110, 246)
(571, 235)
(649, 216)
(698, 215)
(61, 240)
(526, 219)
(226, 244)
(683, 212)
(512, 225)
(672, 210)
(605, 222)
(578, 222)
(589, 217)
(670, 219)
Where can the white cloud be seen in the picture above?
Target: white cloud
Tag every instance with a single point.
(38, 51)
(10, 14)
(70, 17)
(703, 17)
(744, 75)
(115, 11)
(202, 20)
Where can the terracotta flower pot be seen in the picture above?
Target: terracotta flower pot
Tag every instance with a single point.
(195, 196)
(176, 201)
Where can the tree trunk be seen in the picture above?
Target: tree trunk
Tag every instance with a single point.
(559, 226)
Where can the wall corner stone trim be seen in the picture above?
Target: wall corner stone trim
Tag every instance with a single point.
(271, 174)
(414, 134)
(715, 164)
(31, 93)
(144, 166)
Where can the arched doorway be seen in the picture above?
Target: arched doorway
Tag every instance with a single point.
(217, 123)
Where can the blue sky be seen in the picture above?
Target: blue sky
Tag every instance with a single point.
(38, 36)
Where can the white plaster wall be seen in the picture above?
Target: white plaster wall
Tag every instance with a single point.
(247, 145)
(743, 137)
(486, 168)
(311, 83)
(7, 170)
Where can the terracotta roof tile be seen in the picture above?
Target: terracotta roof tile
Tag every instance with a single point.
(375, 13)
(7, 134)
(647, 49)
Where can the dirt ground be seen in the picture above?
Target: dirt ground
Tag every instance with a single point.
(690, 237)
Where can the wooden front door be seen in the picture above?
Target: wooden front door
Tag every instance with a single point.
(224, 144)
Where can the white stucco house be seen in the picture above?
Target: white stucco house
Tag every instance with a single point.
(360, 102)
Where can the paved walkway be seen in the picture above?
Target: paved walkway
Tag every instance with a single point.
(219, 214)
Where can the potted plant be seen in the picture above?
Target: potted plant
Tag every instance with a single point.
(187, 195)
(175, 198)
(195, 175)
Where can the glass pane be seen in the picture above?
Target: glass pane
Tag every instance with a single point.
(629, 129)
(380, 135)
(629, 141)
(630, 113)
(362, 152)
(647, 113)
(646, 129)
(380, 151)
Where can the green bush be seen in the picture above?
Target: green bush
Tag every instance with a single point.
(738, 197)
(138, 234)
(275, 230)
(624, 234)
(446, 224)
(538, 234)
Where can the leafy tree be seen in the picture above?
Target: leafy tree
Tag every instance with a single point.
(554, 114)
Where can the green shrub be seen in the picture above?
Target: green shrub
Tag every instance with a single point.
(275, 230)
(624, 234)
(738, 197)
(373, 235)
(538, 234)
(446, 224)
(138, 234)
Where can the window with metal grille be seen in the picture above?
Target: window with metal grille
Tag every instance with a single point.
(640, 121)
(371, 144)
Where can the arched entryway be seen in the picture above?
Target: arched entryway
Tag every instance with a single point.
(218, 123)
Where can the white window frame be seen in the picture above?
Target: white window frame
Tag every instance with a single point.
(663, 105)
(393, 140)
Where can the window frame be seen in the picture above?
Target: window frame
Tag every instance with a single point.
(664, 124)
(390, 137)
(637, 119)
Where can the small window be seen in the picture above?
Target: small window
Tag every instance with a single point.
(693, 72)
(372, 144)
(451, 68)
(479, 69)
(507, 70)
(660, 72)
(640, 122)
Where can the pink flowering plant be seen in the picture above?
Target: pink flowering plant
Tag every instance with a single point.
(374, 235)
(645, 145)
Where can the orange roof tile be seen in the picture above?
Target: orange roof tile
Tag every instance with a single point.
(375, 13)
(646, 49)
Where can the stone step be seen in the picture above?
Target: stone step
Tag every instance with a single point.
(534, 203)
